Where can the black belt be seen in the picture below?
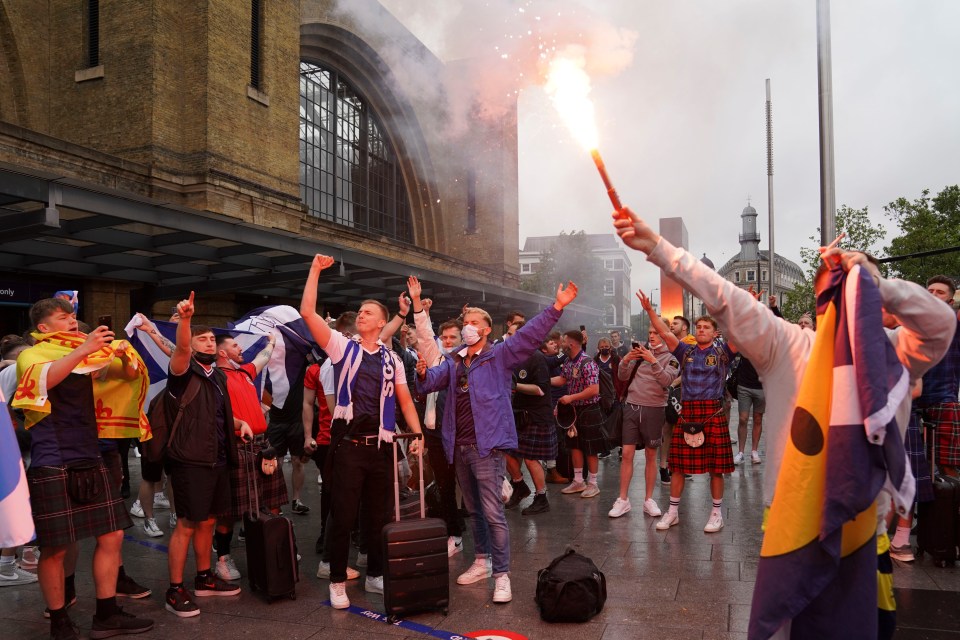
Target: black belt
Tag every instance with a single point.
(363, 441)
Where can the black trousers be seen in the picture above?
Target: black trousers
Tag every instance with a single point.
(446, 480)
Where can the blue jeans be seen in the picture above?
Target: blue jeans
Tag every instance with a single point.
(481, 480)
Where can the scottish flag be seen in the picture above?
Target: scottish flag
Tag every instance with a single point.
(16, 519)
(817, 576)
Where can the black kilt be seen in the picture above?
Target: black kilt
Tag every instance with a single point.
(535, 441)
(273, 488)
(589, 439)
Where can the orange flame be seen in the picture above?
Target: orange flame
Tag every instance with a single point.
(568, 86)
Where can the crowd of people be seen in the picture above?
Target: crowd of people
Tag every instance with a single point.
(488, 408)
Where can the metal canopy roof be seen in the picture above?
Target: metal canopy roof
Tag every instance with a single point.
(56, 225)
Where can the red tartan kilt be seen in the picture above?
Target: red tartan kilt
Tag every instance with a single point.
(716, 454)
(273, 488)
(946, 417)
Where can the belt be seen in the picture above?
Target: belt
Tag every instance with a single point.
(363, 441)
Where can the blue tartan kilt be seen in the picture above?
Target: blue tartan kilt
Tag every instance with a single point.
(919, 463)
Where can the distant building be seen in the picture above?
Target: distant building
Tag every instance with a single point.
(616, 265)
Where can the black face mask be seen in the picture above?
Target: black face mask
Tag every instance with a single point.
(604, 352)
(205, 358)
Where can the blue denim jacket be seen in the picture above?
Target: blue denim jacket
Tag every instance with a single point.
(490, 380)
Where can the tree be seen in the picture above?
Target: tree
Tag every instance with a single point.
(860, 234)
(926, 224)
(569, 258)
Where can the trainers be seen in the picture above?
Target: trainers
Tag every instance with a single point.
(715, 523)
(338, 595)
(127, 587)
(454, 545)
(319, 478)
(539, 505)
(475, 572)
(173, 521)
(180, 603)
(620, 507)
(30, 557)
(361, 560)
(554, 477)
(227, 568)
(373, 584)
(520, 491)
(299, 508)
(120, 623)
(574, 487)
(69, 600)
(664, 475)
(501, 590)
(651, 508)
(592, 490)
(160, 501)
(136, 510)
(151, 529)
(755, 457)
(903, 553)
(323, 571)
(668, 520)
(66, 630)
(16, 577)
(213, 585)
(738, 458)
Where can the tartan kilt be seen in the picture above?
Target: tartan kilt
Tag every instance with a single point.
(273, 488)
(946, 418)
(716, 453)
(535, 441)
(589, 439)
(919, 462)
(60, 520)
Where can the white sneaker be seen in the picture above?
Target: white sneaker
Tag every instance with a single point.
(323, 571)
(361, 560)
(319, 478)
(668, 520)
(16, 577)
(755, 457)
(738, 458)
(30, 557)
(151, 529)
(620, 507)
(227, 568)
(651, 508)
(160, 501)
(501, 590)
(714, 524)
(592, 490)
(136, 452)
(476, 572)
(373, 584)
(338, 595)
(173, 521)
(574, 487)
(454, 545)
(136, 510)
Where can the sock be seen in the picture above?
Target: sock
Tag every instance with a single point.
(717, 505)
(551, 464)
(591, 478)
(578, 474)
(206, 573)
(517, 480)
(901, 537)
(106, 607)
(674, 505)
(58, 616)
(542, 492)
(176, 585)
(8, 560)
(221, 542)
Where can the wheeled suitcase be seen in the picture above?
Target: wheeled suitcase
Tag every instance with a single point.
(416, 569)
(938, 521)
(272, 566)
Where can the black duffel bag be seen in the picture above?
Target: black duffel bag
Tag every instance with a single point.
(571, 589)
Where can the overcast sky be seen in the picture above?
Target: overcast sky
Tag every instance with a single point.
(680, 109)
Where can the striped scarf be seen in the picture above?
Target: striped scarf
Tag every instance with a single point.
(352, 357)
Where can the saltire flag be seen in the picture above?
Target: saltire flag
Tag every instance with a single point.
(16, 519)
(818, 563)
(158, 362)
(295, 348)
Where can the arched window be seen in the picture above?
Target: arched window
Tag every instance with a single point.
(348, 169)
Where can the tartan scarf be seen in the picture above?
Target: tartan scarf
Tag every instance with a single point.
(352, 357)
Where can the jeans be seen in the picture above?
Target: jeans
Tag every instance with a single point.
(481, 481)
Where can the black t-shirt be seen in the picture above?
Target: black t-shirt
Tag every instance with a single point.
(534, 371)
(466, 431)
(747, 375)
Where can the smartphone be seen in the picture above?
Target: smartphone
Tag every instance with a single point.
(635, 344)
(583, 328)
(105, 321)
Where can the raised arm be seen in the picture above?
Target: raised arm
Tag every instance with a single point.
(308, 302)
(390, 329)
(151, 330)
(180, 358)
(262, 358)
(530, 336)
(657, 322)
(426, 338)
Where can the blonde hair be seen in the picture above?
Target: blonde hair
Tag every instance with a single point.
(478, 311)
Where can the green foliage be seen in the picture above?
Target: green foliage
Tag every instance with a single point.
(926, 224)
(570, 258)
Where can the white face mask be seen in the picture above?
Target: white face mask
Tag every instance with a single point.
(470, 334)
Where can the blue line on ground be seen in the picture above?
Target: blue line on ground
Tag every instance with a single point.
(148, 544)
(403, 624)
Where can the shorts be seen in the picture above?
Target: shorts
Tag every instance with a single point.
(150, 471)
(200, 493)
(286, 436)
(643, 426)
(750, 400)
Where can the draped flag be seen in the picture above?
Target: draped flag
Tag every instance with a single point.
(16, 520)
(295, 348)
(818, 563)
(158, 362)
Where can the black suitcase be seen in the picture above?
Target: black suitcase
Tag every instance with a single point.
(938, 521)
(416, 569)
(272, 566)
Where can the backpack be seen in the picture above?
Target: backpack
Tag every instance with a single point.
(571, 589)
(164, 415)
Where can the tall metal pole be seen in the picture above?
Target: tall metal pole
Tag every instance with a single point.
(773, 256)
(828, 204)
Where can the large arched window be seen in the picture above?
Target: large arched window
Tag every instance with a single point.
(348, 170)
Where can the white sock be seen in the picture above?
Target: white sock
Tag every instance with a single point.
(674, 505)
(578, 474)
(591, 478)
(8, 560)
(901, 537)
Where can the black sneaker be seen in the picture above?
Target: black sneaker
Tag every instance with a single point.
(70, 600)
(66, 630)
(180, 603)
(299, 508)
(120, 623)
(127, 587)
(539, 505)
(664, 475)
(319, 546)
(520, 491)
(212, 585)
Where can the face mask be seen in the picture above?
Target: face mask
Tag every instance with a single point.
(604, 351)
(205, 358)
(471, 335)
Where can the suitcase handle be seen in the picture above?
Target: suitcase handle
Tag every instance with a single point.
(396, 474)
(253, 490)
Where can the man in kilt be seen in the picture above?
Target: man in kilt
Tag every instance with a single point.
(245, 402)
(63, 442)
(581, 375)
